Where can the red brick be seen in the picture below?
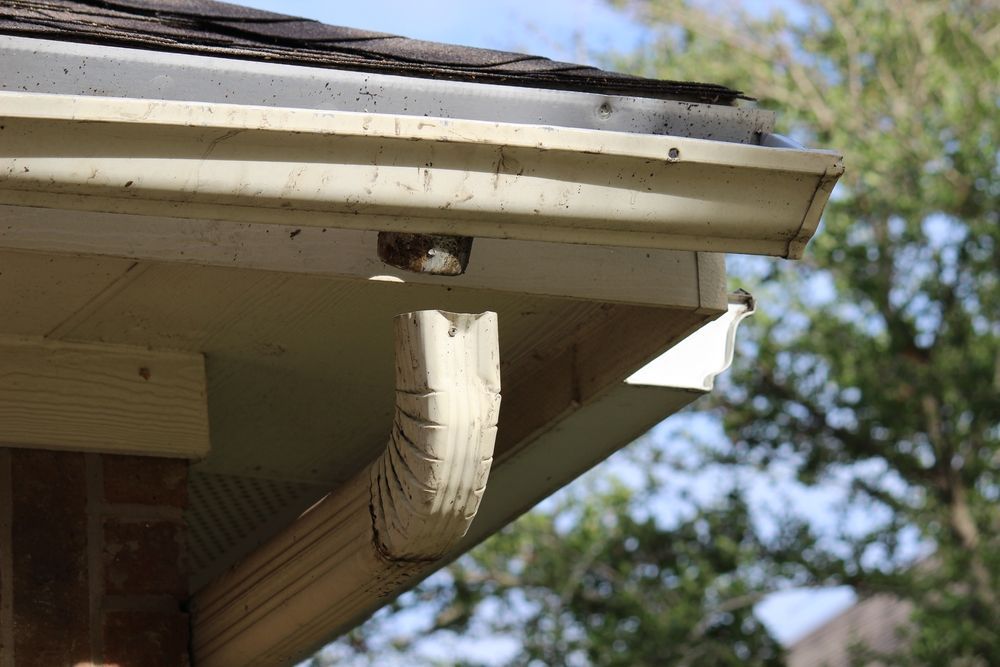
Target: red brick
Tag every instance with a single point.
(145, 480)
(144, 558)
(49, 549)
(145, 639)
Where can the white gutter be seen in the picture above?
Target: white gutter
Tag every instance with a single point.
(409, 174)
(372, 537)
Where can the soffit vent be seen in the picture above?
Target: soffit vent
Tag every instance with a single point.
(230, 515)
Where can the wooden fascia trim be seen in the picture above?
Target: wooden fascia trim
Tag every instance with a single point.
(640, 276)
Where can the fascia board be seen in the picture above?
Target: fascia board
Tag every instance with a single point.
(637, 276)
(401, 173)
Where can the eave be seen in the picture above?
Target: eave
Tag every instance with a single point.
(401, 173)
(247, 233)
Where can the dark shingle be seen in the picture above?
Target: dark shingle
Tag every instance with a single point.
(301, 31)
(225, 30)
(435, 53)
(198, 9)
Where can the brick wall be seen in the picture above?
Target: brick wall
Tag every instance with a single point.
(92, 560)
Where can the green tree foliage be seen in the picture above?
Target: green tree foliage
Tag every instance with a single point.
(879, 362)
(596, 579)
(884, 359)
(615, 589)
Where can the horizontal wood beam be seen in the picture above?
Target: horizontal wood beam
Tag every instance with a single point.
(102, 398)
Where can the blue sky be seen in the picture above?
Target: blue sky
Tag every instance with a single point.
(553, 28)
(578, 31)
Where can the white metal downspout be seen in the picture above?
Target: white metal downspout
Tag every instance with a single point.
(365, 542)
(427, 485)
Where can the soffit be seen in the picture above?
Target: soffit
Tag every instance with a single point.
(300, 371)
(299, 367)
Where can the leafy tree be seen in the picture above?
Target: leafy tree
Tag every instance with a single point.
(879, 363)
(885, 358)
(594, 579)
(615, 589)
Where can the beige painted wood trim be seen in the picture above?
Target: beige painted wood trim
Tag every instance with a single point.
(102, 398)
(712, 294)
(369, 539)
(601, 273)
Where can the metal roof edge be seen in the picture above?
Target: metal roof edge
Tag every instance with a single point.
(47, 66)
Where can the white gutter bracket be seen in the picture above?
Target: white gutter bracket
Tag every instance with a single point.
(696, 361)
(371, 538)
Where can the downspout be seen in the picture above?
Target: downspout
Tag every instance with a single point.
(373, 536)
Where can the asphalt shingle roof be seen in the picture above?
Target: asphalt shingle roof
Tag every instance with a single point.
(221, 29)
